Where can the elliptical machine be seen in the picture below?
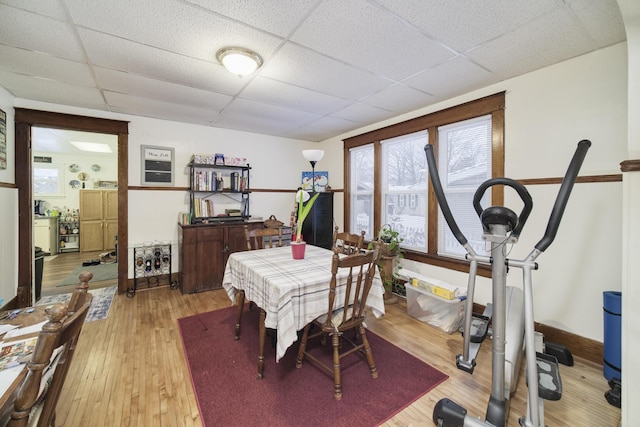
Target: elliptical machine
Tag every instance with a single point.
(501, 226)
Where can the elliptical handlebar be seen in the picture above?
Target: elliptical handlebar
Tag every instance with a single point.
(563, 195)
(442, 200)
(520, 189)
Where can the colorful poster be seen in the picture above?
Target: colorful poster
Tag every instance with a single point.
(321, 180)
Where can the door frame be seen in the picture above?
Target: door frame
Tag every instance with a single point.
(25, 119)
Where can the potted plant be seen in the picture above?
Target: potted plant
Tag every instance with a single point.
(297, 245)
(387, 263)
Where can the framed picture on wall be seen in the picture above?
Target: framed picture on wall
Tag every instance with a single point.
(3, 140)
(157, 165)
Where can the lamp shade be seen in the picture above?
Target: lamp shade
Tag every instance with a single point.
(239, 61)
(305, 196)
(313, 155)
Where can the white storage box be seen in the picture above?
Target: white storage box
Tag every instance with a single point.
(446, 315)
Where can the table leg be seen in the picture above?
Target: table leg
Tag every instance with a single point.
(262, 333)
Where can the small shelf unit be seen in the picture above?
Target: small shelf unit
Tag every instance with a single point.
(68, 236)
(218, 193)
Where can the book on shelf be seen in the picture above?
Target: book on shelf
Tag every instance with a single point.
(202, 208)
(233, 212)
(184, 218)
(205, 180)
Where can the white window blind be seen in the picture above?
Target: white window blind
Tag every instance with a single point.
(464, 162)
(362, 186)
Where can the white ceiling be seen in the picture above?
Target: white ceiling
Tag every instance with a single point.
(330, 66)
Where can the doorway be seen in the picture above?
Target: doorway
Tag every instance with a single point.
(25, 119)
(73, 169)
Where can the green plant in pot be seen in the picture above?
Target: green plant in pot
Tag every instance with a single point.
(303, 212)
(387, 263)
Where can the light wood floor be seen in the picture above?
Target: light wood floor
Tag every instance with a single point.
(130, 370)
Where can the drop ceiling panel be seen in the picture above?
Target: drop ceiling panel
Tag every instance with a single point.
(52, 9)
(122, 55)
(143, 87)
(453, 77)
(277, 17)
(602, 19)
(45, 90)
(463, 25)
(323, 128)
(171, 25)
(254, 115)
(533, 45)
(37, 64)
(305, 68)
(273, 92)
(42, 34)
(399, 98)
(153, 108)
(353, 32)
(358, 113)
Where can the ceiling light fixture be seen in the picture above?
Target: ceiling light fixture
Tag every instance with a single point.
(94, 147)
(238, 60)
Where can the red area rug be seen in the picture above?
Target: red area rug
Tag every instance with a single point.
(223, 373)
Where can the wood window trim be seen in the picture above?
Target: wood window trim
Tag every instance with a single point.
(492, 104)
(24, 120)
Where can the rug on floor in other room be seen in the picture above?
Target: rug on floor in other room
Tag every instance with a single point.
(100, 272)
(223, 374)
(100, 306)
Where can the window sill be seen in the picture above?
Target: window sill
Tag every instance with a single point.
(484, 270)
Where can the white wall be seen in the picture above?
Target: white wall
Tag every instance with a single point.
(8, 209)
(547, 113)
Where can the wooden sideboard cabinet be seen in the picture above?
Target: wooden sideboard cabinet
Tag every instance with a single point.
(204, 249)
(318, 226)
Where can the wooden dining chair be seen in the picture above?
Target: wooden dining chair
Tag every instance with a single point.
(79, 295)
(259, 238)
(37, 396)
(360, 268)
(348, 243)
(262, 238)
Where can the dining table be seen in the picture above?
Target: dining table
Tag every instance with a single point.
(291, 292)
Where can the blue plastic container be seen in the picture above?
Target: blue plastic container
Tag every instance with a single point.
(612, 334)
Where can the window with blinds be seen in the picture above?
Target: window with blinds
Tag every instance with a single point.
(404, 188)
(362, 188)
(464, 162)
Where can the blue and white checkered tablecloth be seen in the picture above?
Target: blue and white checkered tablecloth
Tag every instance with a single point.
(292, 292)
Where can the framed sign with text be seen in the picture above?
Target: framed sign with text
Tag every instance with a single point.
(157, 165)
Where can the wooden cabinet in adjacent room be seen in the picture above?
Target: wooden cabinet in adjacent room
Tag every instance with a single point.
(318, 226)
(204, 249)
(98, 220)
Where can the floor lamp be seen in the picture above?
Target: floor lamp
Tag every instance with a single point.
(313, 156)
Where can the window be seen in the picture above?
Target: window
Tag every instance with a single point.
(464, 162)
(362, 186)
(405, 177)
(48, 180)
(389, 178)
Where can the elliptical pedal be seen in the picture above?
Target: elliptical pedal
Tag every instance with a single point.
(549, 381)
(479, 327)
